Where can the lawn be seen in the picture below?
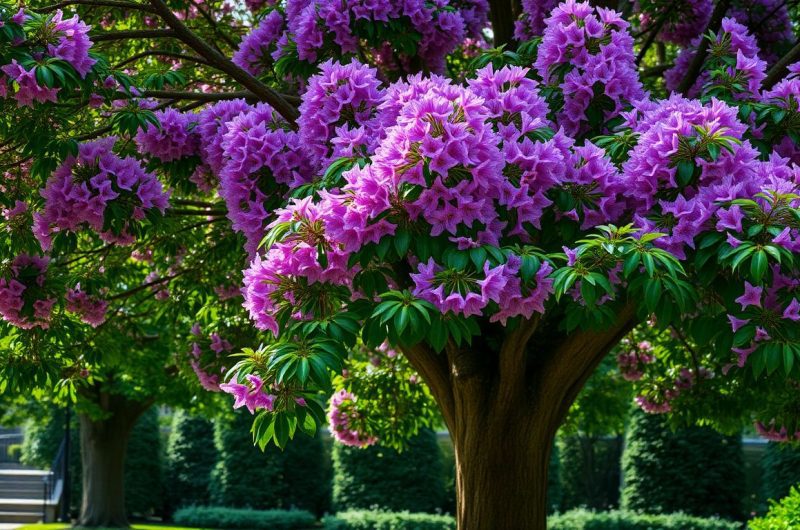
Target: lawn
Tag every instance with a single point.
(62, 526)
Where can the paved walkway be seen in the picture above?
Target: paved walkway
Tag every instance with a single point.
(9, 526)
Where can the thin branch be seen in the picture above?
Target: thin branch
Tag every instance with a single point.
(777, 72)
(214, 25)
(160, 53)
(211, 96)
(700, 56)
(656, 29)
(142, 287)
(656, 71)
(203, 213)
(219, 61)
(121, 4)
(133, 34)
(199, 204)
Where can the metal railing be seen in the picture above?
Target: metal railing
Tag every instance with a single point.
(10, 448)
(54, 484)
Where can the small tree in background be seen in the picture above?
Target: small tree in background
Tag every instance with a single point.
(190, 459)
(144, 466)
(384, 478)
(693, 470)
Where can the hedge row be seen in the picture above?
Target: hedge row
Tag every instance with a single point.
(235, 518)
(573, 520)
(375, 520)
(619, 520)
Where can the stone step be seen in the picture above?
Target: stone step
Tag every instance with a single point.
(21, 517)
(21, 493)
(20, 505)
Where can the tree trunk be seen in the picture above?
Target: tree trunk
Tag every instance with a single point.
(501, 475)
(104, 444)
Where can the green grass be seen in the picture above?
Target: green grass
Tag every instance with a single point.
(61, 526)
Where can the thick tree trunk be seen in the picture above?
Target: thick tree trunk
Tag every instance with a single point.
(104, 444)
(503, 407)
(501, 475)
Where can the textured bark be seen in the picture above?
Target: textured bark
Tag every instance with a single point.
(503, 407)
(501, 13)
(104, 444)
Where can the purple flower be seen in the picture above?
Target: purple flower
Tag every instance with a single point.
(24, 302)
(72, 44)
(792, 311)
(751, 296)
(173, 139)
(346, 422)
(90, 309)
(257, 49)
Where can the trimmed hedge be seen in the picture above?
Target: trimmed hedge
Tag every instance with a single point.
(230, 518)
(619, 520)
(380, 477)
(144, 466)
(246, 477)
(781, 467)
(373, 520)
(589, 472)
(190, 459)
(694, 470)
(783, 515)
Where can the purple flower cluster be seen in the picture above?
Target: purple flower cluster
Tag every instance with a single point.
(250, 394)
(671, 134)
(24, 298)
(174, 137)
(733, 40)
(258, 48)
(531, 22)
(442, 25)
(212, 126)
(90, 309)
(769, 22)
(588, 53)
(685, 20)
(28, 89)
(79, 193)
(339, 112)
(343, 420)
(69, 41)
(206, 355)
(631, 362)
(262, 160)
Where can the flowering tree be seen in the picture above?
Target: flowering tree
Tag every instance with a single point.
(418, 217)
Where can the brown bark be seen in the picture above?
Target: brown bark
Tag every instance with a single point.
(503, 409)
(104, 444)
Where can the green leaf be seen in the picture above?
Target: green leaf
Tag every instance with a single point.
(758, 265)
(685, 172)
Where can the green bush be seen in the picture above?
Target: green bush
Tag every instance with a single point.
(783, 515)
(190, 459)
(781, 470)
(144, 466)
(589, 471)
(695, 470)
(618, 520)
(231, 518)
(246, 477)
(374, 520)
(380, 477)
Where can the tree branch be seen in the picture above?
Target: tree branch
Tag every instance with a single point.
(777, 72)
(222, 63)
(654, 31)
(512, 360)
(433, 369)
(574, 358)
(133, 34)
(160, 53)
(121, 4)
(699, 59)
